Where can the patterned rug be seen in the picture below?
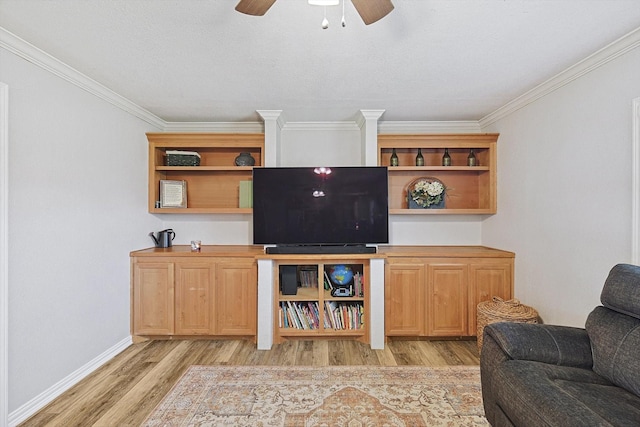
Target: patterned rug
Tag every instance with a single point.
(347, 396)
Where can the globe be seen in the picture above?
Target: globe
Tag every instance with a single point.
(341, 274)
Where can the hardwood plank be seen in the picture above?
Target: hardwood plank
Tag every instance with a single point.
(219, 352)
(147, 393)
(304, 355)
(385, 357)
(101, 386)
(127, 388)
(320, 353)
(445, 349)
(285, 353)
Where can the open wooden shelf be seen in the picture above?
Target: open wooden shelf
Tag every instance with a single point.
(214, 185)
(319, 295)
(470, 189)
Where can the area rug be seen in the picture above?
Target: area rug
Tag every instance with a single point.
(347, 396)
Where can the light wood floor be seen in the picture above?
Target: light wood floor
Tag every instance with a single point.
(127, 388)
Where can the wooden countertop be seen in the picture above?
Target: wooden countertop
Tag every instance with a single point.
(205, 251)
(444, 251)
(257, 251)
(320, 257)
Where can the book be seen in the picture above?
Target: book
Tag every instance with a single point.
(246, 194)
(308, 276)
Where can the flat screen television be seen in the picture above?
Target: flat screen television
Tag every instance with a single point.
(311, 210)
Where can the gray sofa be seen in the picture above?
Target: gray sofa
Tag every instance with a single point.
(544, 375)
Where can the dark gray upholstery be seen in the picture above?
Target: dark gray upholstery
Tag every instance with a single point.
(543, 375)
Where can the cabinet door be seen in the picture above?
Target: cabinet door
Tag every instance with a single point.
(152, 302)
(236, 298)
(447, 299)
(194, 298)
(487, 280)
(404, 299)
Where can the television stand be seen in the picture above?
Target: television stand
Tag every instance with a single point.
(320, 249)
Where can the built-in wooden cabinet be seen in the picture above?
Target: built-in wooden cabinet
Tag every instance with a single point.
(469, 189)
(433, 291)
(405, 300)
(426, 291)
(194, 300)
(152, 301)
(236, 286)
(176, 292)
(447, 288)
(312, 311)
(488, 278)
(214, 185)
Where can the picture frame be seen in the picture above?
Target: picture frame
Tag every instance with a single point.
(173, 194)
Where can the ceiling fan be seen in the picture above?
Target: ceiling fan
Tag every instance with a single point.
(369, 10)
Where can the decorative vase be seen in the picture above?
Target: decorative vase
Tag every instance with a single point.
(419, 158)
(471, 158)
(245, 159)
(394, 158)
(446, 158)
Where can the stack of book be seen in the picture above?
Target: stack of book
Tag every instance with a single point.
(308, 277)
(300, 315)
(344, 316)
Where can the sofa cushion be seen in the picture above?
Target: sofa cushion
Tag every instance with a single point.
(621, 291)
(615, 342)
(538, 394)
(558, 345)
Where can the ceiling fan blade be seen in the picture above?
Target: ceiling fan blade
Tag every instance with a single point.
(254, 7)
(372, 10)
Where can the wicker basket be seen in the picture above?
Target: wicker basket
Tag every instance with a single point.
(412, 204)
(498, 310)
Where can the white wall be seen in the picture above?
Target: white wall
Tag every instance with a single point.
(317, 145)
(77, 207)
(564, 203)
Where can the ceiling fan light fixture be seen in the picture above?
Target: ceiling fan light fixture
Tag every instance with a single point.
(324, 2)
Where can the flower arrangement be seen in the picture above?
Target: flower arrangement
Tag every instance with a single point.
(427, 192)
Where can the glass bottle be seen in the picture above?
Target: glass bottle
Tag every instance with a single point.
(394, 158)
(419, 158)
(471, 158)
(446, 158)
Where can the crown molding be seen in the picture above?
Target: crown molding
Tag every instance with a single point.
(271, 115)
(364, 115)
(29, 52)
(384, 127)
(322, 126)
(223, 127)
(470, 126)
(607, 54)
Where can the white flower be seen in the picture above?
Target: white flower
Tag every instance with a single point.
(434, 189)
(426, 192)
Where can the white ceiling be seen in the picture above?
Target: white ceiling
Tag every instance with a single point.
(429, 60)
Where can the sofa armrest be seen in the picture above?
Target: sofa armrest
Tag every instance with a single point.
(557, 345)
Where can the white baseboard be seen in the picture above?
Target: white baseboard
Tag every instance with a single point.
(40, 401)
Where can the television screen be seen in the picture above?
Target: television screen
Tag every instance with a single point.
(320, 206)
